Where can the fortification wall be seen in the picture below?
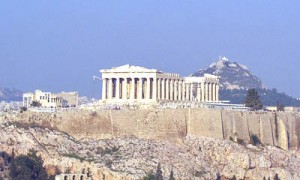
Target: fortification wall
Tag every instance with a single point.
(204, 122)
(276, 129)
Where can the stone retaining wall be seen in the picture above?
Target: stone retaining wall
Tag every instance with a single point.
(276, 129)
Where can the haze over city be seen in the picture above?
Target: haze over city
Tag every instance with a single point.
(59, 45)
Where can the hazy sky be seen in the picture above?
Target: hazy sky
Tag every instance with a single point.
(57, 45)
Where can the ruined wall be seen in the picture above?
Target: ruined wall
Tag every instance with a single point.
(276, 129)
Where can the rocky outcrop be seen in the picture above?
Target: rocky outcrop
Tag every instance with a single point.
(233, 75)
(194, 143)
(132, 158)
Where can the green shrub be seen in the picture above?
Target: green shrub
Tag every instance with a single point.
(149, 176)
(28, 167)
(254, 139)
(240, 141)
(276, 177)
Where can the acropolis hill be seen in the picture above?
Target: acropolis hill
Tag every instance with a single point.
(161, 118)
(168, 129)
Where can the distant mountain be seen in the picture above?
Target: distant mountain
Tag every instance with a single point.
(269, 97)
(233, 75)
(236, 79)
(8, 95)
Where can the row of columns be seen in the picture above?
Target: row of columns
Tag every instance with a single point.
(170, 89)
(159, 89)
(174, 89)
(203, 92)
(129, 88)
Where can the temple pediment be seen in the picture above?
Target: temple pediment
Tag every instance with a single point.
(129, 68)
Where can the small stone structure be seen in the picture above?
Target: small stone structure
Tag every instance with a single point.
(50, 100)
(72, 177)
(135, 84)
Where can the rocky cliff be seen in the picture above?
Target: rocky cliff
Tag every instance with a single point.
(194, 143)
(132, 158)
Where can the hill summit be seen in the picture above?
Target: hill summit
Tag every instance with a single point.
(233, 75)
(7, 94)
(236, 79)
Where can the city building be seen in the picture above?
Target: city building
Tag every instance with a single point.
(135, 84)
(50, 100)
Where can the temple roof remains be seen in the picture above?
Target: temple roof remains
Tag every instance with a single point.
(129, 68)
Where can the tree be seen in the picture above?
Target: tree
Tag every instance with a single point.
(28, 167)
(280, 107)
(254, 140)
(218, 176)
(156, 176)
(159, 175)
(149, 176)
(252, 100)
(171, 175)
(89, 172)
(22, 109)
(36, 104)
(276, 177)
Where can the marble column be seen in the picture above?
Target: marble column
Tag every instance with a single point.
(198, 92)
(206, 92)
(140, 89)
(210, 91)
(154, 87)
(214, 92)
(148, 88)
(117, 88)
(217, 92)
(175, 89)
(183, 91)
(202, 92)
(187, 92)
(110, 88)
(158, 88)
(179, 90)
(172, 89)
(167, 89)
(132, 88)
(104, 88)
(163, 86)
(124, 91)
(191, 91)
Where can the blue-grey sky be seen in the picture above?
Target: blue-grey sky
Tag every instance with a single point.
(57, 45)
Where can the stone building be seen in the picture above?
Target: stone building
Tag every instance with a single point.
(72, 177)
(50, 100)
(135, 84)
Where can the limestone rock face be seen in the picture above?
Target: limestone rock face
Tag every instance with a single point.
(132, 158)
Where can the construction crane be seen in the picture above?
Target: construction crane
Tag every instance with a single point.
(97, 78)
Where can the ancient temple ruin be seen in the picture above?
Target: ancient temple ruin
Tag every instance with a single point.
(135, 84)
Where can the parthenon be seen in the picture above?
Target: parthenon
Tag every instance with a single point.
(135, 84)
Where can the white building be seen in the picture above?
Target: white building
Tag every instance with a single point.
(50, 100)
(134, 84)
